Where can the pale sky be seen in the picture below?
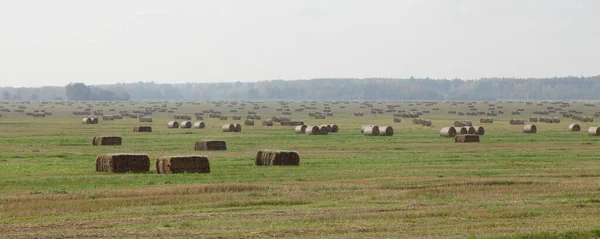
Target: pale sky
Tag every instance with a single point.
(100, 42)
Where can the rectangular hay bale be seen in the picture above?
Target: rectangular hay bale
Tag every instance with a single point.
(466, 138)
(107, 140)
(277, 157)
(142, 129)
(182, 164)
(210, 145)
(123, 163)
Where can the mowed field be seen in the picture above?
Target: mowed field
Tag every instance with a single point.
(414, 184)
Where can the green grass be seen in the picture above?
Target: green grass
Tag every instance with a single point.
(412, 185)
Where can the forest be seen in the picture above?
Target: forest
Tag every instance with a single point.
(558, 88)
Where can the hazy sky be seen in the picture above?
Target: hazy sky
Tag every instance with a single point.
(61, 41)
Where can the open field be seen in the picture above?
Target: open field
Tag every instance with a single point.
(414, 184)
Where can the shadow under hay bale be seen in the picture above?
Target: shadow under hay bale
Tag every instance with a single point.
(123, 163)
(210, 145)
(300, 129)
(371, 131)
(448, 132)
(276, 157)
(466, 138)
(107, 140)
(182, 164)
(574, 127)
(173, 124)
(386, 131)
(594, 131)
(199, 125)
(530, 129)
(142, 129)
(186, 124)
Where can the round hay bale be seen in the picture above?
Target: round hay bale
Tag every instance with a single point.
(228, 128)
(574, 127)
(238, 128)
(426, 122)
(249, 122)
(186, 124)
(594, 131)
(300, 129)
(533, 119)
(323, 130)
(334, 128)
(267, 122)
(458, 123)
(173, 124)
(397, 120)
(362, 128)
(326, 126)
(372, 130)
(512, 122)
(530, 128)
(94, 120)
(470, 130)
(460, 130)
(312, 130)
(386, 131)
(86, 121)
(467, 123)
(448, 132)
(416, 121)
(199, 125)
(479, 130)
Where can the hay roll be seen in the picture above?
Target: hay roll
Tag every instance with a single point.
(249, 122)
(448, 132)
(371, 131)
(182, 164)
(87, 121)
(466, 138)
(312, 130)
(266, 157)
(238, 128)
(530, 129)
(574, 127)
(210, 145)
(362, 128)
(594, 131)
(123, 163)
(199, 125)
(300, 129)
(186, 124)
(326, 126)
(426, 122)
(458, 123)
(173, 124)
(142, 129)
(479, 130)
(386, 131)
(334, 128)
(107, 140)
(228, 128)
(470, 130)
(267, 122)
(323, 130)
(460, 130)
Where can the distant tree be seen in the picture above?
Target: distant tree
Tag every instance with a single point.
(77, 91)
(6, 95)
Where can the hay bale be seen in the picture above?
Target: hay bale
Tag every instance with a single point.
(479, 130)
(300, 129)
(470, 130)
(94, 120)
(87, 121)
(199, 125)
(186, 124)
(291, 123)
(328, 126)
(594, 131)
(426, 122)
(362, 128)
(210, 145)
(267, 122)
(466, 138)
(228, 128)
(530, 128)
(312, 130)
(238, 128)
(266, 157)
(249, 122)
(182, 164)
(334, 128)
(458, 123)
(574, 127)
(173, 124)
(123, 163)
(460, 130)
(386, 131)
(448, 132)
(142, 129)
(371, 131)
(323, 130)
(397, 120)
(107, 140)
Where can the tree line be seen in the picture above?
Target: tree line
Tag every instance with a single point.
(558, 88)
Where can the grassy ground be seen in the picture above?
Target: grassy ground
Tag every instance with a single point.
(412, 185)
